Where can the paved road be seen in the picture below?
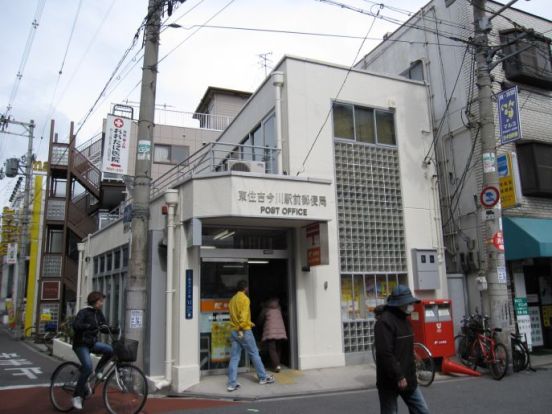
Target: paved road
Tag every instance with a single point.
(21, 365)
(527, 392)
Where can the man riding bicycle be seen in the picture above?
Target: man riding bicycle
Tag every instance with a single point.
(88, 323)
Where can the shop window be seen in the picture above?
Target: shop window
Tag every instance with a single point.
(530, 58)
(535, 166)
(366, 125)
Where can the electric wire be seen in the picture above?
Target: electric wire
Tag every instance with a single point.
(374, 19)
(51, 107)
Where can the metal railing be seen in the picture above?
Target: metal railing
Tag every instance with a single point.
(60, 154)
(218, 157)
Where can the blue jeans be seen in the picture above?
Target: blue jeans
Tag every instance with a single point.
(83, 353)
(414, 401)
(248, 344)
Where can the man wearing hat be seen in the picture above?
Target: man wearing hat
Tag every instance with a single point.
(396, 370)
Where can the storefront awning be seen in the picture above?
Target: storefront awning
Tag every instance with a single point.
(526, 238)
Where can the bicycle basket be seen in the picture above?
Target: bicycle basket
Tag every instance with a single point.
(126, 350)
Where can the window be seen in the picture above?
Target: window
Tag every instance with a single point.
(527, 64)
(170, 154)
(415, 71)
(372, 126)
(55, 241)
(262, 135)
(58, 187)
(535, 167)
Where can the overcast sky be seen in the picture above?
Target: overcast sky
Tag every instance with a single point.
(220, 57)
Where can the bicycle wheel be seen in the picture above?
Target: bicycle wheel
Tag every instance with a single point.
(499, 366)
(425, 365)
(519, 357)
(125, 390)
(462, 346)
(63, 384)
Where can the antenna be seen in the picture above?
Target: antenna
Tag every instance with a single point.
(265, 61)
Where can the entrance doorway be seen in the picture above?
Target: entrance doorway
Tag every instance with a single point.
(268, 277)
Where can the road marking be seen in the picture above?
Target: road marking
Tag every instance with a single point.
(30, 373)
(21, 387)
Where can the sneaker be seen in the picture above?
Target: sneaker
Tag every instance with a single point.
(277, 369)
(267, 380)
(77, 403)
(231, 388)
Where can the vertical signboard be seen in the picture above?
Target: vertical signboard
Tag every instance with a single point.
(116, 145)
(189, 294)
(508, 115)
(509, 185)
(316, 244)
(11, 257)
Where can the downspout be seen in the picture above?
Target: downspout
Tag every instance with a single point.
(171, 198)
(80, 275)
(278, 82)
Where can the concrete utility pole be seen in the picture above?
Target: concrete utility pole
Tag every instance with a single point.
(24, 225)
(495, 297)
(136, 288)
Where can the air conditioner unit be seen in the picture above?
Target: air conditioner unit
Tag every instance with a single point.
(246, 166)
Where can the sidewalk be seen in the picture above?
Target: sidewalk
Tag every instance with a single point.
(290, 383)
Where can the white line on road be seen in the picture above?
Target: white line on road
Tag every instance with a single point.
(21, 387)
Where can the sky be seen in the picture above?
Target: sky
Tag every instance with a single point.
(85, 40)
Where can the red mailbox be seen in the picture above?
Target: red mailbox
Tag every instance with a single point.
(433, 326)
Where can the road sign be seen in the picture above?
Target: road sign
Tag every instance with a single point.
(508, 115)
(489, 197)
(498, 241)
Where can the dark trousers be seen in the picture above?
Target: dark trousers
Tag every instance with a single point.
(274, 348)
(414, 401)
(83, 353)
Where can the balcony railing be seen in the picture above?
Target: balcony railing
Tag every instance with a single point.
(219, 157)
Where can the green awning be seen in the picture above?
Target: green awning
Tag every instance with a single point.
(526, 238)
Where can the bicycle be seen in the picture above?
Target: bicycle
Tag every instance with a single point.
(520, 352)
(125, 387)
(477, 346)
(45, 338)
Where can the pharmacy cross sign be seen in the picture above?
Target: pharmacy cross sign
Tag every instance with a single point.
(118, 122)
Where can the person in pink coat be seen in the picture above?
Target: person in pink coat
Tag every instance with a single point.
(274, 330)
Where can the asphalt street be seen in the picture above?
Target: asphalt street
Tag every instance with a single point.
(20, 365)
(527, 392)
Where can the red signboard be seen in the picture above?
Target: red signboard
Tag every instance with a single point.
(314, 256)
(50, 290)
(498, 241)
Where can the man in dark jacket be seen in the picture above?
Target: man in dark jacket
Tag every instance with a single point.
(396, 369)
(87, 325)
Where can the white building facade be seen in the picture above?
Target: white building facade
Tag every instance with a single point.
(427, 48)
(320, 200)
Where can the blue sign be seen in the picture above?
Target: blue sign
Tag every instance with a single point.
(502, 164)
(189, 293)
(508, 115)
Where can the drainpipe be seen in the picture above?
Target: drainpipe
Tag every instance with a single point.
(171, 198)
(80, 274)
(278, 82)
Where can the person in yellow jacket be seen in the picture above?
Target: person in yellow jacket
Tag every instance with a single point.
(242, 338)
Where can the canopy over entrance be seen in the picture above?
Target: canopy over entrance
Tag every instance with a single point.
(526, 238)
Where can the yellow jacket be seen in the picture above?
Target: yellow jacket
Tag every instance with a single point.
(240, 313)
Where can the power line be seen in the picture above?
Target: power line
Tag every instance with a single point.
(26, 52)
(339, 92)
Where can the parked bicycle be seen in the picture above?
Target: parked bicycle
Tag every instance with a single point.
(44, 337)
(425, 364)
(477, 347)
(125, 389)
(521, 359)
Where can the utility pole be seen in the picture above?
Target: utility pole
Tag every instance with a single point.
(24, 224)
(495, 297)
(136, 287)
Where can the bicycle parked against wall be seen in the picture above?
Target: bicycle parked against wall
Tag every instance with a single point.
(46, 337)
(477, 347)
(521, 359)
(423, 358)
(125, 388)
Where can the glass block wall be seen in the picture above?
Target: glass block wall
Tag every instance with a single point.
(371, 235)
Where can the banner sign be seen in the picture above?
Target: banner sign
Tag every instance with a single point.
(507, 177)
(116, 145)
(11, 257)
(508, 115)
